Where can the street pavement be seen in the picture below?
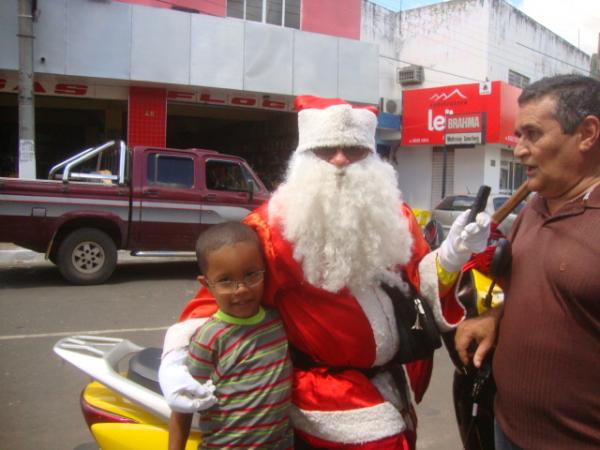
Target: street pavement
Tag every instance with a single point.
(39, 397)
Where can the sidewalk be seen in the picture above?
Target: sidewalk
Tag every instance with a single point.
(13, 254)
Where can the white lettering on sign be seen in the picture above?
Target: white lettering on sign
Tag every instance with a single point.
(437, 123)
(240, 99)
(462, 138)
(460, 123)
(49, 86)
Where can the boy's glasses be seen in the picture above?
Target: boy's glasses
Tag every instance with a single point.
(230, 286)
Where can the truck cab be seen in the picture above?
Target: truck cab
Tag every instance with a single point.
(153, 201)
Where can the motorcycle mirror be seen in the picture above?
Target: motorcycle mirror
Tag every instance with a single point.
(501, 259)
(433, 233)
(250, 190)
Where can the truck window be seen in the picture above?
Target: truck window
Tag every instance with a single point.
(170, 171)
(225, 176)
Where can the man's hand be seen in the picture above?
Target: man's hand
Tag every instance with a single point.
(481, 330)
(464, 239)
(182, 392)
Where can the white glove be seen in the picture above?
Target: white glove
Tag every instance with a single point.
(464, 239)
(182, 392)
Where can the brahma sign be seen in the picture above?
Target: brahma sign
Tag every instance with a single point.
(459, 115)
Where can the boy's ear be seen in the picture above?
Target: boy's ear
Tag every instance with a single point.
(203, 281)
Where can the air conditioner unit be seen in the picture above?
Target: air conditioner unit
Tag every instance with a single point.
(390, 105)
(411, 75)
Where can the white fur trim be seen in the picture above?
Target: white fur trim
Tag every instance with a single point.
(379, 311)
(180, 334)
(336, 126)
(354, 426)
(386, 385)
(430, 290)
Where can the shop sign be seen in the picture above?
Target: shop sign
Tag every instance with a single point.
(455, 115)
(464, 129)
(51, 86)
(225, 98)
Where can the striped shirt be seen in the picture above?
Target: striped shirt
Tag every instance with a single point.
(248, 362)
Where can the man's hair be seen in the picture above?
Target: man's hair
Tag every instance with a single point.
(576, 97)
(222, 235)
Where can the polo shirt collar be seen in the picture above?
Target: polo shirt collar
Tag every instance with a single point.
(588, 200)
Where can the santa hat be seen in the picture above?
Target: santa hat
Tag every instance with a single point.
(333, 122)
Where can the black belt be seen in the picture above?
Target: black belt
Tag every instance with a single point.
(302, 361)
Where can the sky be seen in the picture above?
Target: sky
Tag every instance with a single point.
(577, 21)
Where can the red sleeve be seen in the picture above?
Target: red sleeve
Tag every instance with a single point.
(419, 248)
(202, 305)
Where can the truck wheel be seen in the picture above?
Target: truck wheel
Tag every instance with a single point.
(87, 256)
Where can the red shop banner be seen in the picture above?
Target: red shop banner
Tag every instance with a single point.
(428, 112)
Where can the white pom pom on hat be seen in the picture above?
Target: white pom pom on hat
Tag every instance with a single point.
(333, 122)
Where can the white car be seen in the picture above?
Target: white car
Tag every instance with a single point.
(451, 206)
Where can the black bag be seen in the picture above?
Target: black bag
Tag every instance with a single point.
(419, 335)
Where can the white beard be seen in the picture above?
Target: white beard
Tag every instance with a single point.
(344, 224)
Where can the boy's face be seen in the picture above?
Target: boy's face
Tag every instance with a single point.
(234, 276)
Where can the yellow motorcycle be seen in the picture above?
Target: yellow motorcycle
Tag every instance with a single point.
(124, 409)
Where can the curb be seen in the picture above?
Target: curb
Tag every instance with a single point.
(19, 255)
(16, 256)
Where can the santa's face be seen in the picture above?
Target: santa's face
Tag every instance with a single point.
(342, 217)
(341, 156)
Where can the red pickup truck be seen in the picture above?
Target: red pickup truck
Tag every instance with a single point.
(152, 201)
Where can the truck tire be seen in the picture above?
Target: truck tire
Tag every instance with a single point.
(87, 256)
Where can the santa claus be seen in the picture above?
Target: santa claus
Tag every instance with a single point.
(333, 233)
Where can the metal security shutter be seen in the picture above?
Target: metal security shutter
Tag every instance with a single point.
(437, 175)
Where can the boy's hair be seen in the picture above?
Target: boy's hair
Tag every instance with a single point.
(222, 235)
(576, 97)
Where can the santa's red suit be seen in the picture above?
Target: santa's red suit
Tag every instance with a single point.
(341, 402)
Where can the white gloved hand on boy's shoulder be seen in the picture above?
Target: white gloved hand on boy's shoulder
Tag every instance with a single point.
(182, 392)
(464, 239)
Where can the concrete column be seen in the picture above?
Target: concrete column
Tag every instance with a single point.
(26, 93)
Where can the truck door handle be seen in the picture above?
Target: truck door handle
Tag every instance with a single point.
(151, 192)
(210, 197)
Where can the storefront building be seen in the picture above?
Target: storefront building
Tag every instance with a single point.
(222, 74)
(218, 74)
(456, 138)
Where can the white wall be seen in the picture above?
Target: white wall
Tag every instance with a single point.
(468, 169)
(491, 173)
(119, 42)
(463, 41)
(413, 166)
(381, 26)
(449, 40)
(518, 42)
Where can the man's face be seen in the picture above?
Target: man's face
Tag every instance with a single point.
(551, 158)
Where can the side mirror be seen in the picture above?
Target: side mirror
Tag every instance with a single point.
(501, 259)
(433, 233)
(250, 190)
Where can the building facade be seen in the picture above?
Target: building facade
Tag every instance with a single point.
(468, 57)
(222, 74)
(186, 73)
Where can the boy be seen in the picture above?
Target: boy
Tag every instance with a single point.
(242, 349)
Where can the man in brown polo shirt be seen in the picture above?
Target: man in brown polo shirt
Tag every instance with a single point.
(547, 336)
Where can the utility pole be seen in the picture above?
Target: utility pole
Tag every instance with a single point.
(26, 92)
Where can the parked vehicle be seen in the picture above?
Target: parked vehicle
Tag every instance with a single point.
(149, 200)
(451, 206)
